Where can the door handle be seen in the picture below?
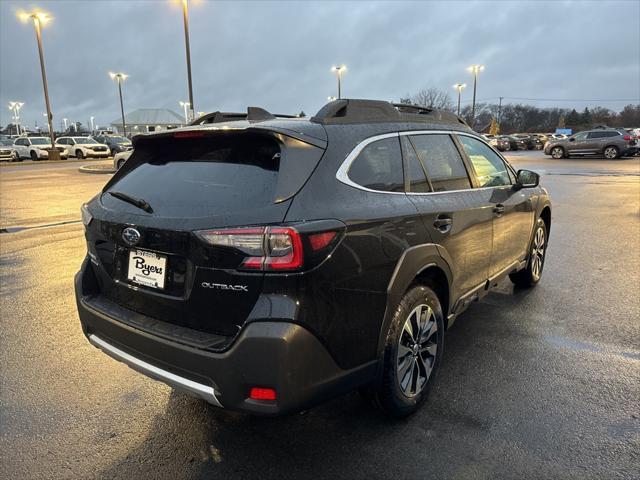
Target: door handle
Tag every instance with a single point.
(498, 210)
(443, 223)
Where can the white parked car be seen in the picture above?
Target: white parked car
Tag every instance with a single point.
(7, 152)
(35, 148)
(83, 147)
(120, 158)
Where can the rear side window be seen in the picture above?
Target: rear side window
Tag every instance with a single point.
(379, 166)
(490, 170)
(442, 162)
(193, 176)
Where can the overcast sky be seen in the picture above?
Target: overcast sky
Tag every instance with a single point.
(278, 54)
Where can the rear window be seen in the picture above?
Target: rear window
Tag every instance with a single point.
(231, 172)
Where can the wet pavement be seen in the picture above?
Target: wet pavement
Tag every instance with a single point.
(543, 383)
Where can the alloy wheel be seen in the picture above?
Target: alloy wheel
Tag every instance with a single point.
(610, 153)
(537, 254)
(557, 152)
(417, 348)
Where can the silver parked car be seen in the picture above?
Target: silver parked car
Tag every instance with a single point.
(610, 142)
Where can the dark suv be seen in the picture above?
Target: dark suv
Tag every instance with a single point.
(266, 264)
(609, 142)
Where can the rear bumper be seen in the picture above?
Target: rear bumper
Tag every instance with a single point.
(269, 353)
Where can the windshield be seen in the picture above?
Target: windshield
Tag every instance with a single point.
(6, 143)
(83, 140)
(119, 139)
(39, 141)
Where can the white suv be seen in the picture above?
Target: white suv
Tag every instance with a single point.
(83, 147)
(35, 148)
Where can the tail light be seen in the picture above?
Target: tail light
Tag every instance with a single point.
(272, 248)
(627, 137)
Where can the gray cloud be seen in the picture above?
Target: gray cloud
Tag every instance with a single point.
(278, 54)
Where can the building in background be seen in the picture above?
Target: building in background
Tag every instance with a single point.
(145, 120)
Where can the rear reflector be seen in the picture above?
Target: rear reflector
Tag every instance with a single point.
(262, 394)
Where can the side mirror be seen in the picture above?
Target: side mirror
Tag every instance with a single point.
(572, 139)
(527, 179)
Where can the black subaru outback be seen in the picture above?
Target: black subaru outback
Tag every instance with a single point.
(266, 264)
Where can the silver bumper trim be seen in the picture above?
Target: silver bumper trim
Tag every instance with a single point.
(203, 391)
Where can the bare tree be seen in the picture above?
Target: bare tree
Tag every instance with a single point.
(432, 98)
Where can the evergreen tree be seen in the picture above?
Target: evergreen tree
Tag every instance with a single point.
(586, 117)
(573, 118)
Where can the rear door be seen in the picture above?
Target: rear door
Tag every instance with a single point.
(513, 210)
(457, 216)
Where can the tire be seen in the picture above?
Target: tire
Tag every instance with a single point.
(15, 157)
(410, 365)
(611, 152)
(120, 164)
(79, 154)
(557, 152)
(507, 148)
(530, 276)
(33, 155)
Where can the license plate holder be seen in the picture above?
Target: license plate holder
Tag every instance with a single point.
(148, 269)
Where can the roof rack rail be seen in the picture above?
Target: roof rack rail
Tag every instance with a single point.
(253, 114)
(347, 111)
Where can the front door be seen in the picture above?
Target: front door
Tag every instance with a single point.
(578, 143)
(513, 210)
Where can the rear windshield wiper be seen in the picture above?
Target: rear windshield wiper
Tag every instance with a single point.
(138, 202)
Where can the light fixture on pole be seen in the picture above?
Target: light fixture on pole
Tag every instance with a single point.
(39, 18)
(120, 77)
(475, 69)
(184, 105)
(15, 108)
(459, 87)
(339, 71)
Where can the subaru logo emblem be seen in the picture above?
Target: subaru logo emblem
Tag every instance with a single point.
(131, 236)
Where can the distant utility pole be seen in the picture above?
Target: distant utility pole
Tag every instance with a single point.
(500, 110)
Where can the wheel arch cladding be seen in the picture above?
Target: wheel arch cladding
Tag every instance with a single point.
(422, 264)
(545, 214)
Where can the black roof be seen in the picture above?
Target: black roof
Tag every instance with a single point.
(349, 111)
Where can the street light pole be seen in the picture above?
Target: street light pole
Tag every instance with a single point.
(459, 87)
(37, 19)
(338, 71)
(185, 17)
(475, 69)
(120, 77)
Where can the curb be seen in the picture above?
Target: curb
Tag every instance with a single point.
(45, 162)
(97, 169)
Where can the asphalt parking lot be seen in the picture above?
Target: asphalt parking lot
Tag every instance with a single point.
(534, 384)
